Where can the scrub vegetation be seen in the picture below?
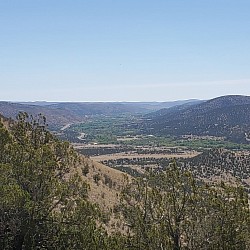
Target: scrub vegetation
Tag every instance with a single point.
(46, 201)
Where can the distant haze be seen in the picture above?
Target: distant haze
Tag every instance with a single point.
(123, 50)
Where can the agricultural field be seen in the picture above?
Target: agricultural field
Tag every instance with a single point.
(120, 142)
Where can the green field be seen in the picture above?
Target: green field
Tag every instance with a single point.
(126, 130)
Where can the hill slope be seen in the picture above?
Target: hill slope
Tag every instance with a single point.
(221, 164)
(55, 117)
(226, 116)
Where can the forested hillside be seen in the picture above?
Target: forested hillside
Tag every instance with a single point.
(45, 201)
(226, 116)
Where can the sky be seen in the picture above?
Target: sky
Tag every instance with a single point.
(123, 50)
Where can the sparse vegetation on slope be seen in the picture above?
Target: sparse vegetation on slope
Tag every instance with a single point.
(45, 201)
(226, 116)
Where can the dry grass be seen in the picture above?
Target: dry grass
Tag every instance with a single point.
(99, 158)
(105, 189)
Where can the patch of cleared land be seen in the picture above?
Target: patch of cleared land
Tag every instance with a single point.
(188, 154)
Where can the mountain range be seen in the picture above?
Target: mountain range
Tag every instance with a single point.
(61, 113)
(226, 116)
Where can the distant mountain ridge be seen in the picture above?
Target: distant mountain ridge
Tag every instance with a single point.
(54, 116)
(226, 116)
(62, 113)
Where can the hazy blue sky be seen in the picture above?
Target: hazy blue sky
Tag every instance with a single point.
(123, 50)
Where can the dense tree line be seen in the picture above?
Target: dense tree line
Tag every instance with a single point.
(44, 202)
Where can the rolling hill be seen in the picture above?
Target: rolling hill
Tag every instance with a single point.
(226, 116)
(55, 117)
(104, 183)
(62, 113)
